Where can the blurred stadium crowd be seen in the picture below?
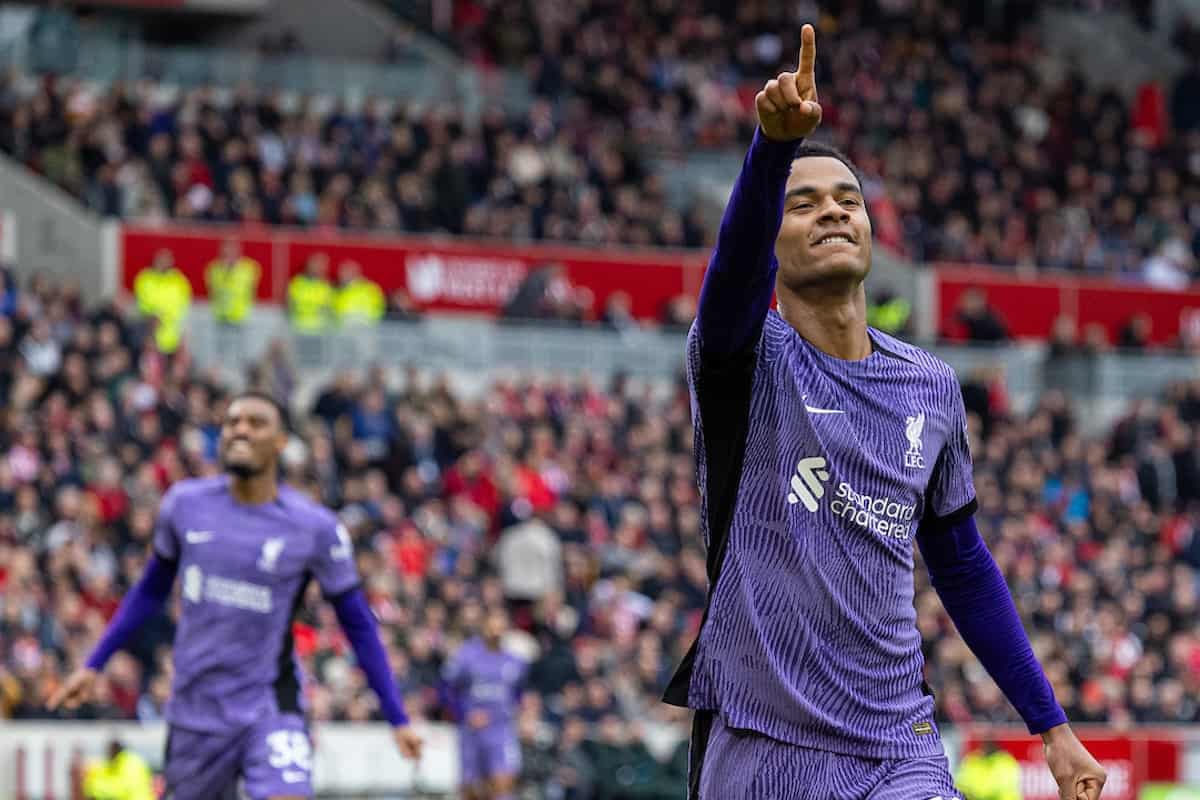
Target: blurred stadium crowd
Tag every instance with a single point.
(572, 503)
(982, 146)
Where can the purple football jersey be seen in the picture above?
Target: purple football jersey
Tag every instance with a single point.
(485, 679)
(243, 570)
(814, 473)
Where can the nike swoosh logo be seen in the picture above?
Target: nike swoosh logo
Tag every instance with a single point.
(199, 537)
(812, 410)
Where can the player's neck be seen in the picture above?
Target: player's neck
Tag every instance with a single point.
(833, 322)
(253, 490)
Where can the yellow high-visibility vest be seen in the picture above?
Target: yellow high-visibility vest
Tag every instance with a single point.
(310, 303)
(989, 777)
(126, 777)
(166, 296)
(889, 317)
(232, 289)
(359, 301)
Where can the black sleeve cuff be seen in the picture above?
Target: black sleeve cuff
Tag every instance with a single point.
(333, 598)
(933, 522)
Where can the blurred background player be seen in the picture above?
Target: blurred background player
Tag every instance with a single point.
(821, 445)
(245, 546)
(485, 684)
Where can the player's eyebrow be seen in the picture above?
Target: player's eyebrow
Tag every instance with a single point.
(841, 187)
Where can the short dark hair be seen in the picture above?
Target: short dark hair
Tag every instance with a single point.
(266, 397)
(815, 149)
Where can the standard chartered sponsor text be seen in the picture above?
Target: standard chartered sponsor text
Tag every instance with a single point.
(881, 515)
(238, 594)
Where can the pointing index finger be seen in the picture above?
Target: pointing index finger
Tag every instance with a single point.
(808, 51)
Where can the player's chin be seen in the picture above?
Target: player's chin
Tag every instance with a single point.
(826, 267)
(241, 467)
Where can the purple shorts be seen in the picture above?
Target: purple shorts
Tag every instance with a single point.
(273, 757)
(731, 764)
(488, 753)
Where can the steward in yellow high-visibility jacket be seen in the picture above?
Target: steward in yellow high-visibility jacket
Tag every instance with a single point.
(123, 776)
(310, 297)
(889, 313)
(232, 281)
(164, 294)
(359, 300)
(989, 774)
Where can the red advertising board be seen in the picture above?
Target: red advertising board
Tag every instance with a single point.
(1130, 760)
(1029, 306)
(448, 274)
(439, 274)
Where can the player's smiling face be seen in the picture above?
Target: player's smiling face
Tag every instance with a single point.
(252, 436)
(826, 234)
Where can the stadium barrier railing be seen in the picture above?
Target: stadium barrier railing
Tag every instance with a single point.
(43, 760)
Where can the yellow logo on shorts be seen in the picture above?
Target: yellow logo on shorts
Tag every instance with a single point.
(922, 728)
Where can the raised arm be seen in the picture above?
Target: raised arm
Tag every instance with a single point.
(736, 293)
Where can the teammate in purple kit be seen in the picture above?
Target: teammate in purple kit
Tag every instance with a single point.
(485, 683)
(823, 448)
(246, 547)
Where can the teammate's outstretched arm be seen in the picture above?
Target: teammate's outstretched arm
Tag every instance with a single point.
(335, 571)
(357, 620)
(141, 603)
(976, 597)
(736, 293)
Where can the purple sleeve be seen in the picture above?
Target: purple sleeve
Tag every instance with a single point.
(142, 602)
(166, 538)
(358, 621)
(974, 593)
(737, 288)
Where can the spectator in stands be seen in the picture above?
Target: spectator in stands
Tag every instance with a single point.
(1185, 97)
(1172, 265)
(975, 320)
(164, 295)
(1064, 338)
(400, 306)
(989, 773)
(678, 313)
(618, 312)
(40, 350)
(232, 280)
(8, 291)
(311, 297)
(124, 775)
(540, 295)
(359, 300)
(1136, 333)
(529, 559)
